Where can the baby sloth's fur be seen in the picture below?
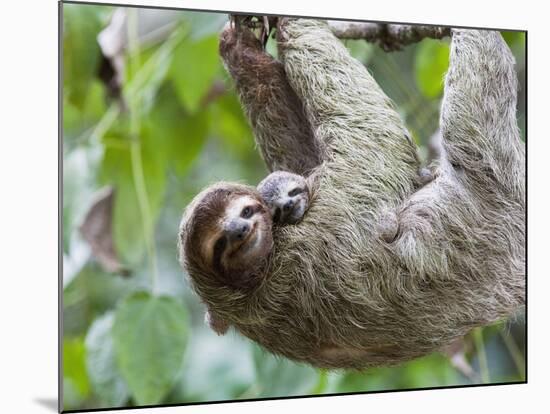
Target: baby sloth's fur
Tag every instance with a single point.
(336, 290)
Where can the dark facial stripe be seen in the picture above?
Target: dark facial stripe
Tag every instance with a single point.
(295, 192)
(277, 215)
(219, 248)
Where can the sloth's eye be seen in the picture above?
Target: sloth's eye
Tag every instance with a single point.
(246, 213)
(295, 192)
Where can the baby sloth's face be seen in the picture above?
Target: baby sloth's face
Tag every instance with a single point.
(286, 195)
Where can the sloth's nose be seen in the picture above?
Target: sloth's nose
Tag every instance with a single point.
(288, 206)
(238, 230)
(242, 231)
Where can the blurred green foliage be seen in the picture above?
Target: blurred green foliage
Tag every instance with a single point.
(149, 336)
(430, 65)
(141, 339)
(101, 362)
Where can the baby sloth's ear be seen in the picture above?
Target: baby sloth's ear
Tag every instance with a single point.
(216, 323)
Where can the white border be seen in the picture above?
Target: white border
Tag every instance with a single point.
(28, 222)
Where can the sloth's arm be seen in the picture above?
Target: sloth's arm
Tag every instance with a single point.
(352, 118)
(282, 132)
(478, 113)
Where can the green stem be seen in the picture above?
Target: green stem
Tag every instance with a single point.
(515, 353)
(322, 383)
(143, 202)
(251, 392)
(481, 355)
(135, 152)
(104, 123)
(133, 42)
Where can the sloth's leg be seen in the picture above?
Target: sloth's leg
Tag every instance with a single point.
(361, 133)
(479, 175)
(282, 131)
(478, 114)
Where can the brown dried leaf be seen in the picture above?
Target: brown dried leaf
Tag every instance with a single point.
(96, 229)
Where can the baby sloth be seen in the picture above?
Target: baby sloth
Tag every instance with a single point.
(225, 233)
(286, 195)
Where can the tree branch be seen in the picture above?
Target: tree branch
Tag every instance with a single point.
(389, 37)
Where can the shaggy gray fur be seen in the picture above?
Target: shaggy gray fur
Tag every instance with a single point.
(379, 271)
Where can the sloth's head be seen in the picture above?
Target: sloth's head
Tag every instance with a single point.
(225, 237)
(287, 196)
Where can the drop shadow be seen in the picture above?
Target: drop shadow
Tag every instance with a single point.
(49, 403)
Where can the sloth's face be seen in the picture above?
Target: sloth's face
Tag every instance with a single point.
(242, 237)
(288, 199)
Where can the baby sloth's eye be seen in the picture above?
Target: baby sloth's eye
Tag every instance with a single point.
(246, 213)
(295, 192)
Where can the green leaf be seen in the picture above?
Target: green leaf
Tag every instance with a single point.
(143, 85)
(271, 47)
(517, 43)
(431, 63)
(194, 66)
(95, 103)
(116, 169)
(74, 368)
(91, 293)
(513, 38)
(231, 124)
(277, 377)
(100, 361)
(371, 380)
(187, 144)
(150, 335)
(208, 374)
(180, 135)
(430, 371)
(81, 52)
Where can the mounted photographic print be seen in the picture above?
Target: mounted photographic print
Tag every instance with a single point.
(260, 206)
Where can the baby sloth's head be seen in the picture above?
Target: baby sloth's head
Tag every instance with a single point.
(287, 196)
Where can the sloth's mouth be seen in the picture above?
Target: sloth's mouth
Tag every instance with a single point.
(247, 242)
(291, 216)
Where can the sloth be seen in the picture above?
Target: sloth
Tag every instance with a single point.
(241, 227)
(228, 234)
(380, 270)
(287, 196)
